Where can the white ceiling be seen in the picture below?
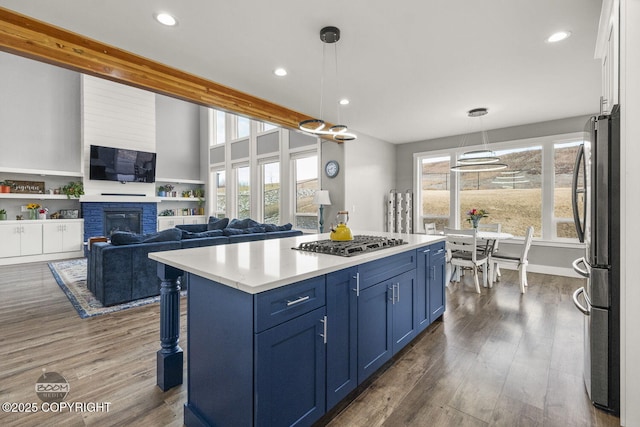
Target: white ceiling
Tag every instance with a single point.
(411, 68)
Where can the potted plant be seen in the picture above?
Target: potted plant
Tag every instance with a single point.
(162, 191)
(3, 214)
(5, 187)
(74, 189)
(169, 190)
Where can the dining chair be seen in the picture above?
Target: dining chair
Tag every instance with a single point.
(516, 260)
(430, 228)
(462, 252)
(495, 227)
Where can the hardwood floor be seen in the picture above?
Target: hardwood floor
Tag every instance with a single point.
(496, 359)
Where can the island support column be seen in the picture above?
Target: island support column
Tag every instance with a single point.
(169, 359)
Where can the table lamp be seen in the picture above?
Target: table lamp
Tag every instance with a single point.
(322, 199)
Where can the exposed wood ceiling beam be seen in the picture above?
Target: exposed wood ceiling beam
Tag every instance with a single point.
(24, 36)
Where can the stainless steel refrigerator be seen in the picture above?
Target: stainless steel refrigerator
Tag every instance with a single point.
(596, 207)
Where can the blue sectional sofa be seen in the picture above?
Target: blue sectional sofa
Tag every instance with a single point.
(121, 271)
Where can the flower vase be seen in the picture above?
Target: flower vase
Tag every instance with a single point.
(474, 223)
(42, 216)
(33, 214)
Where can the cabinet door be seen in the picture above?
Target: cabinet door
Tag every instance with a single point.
(196, 219)
(403, 316)
(31, 239)
(342, 324)
(165, 223)
(10, 238)
(290, 372)
(423, 272)
(374, 328)
(437, 294)
(52, 237)
(72, 236)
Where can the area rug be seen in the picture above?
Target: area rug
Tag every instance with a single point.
(71, 276)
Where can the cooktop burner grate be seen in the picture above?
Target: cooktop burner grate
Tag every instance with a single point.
(357, 246)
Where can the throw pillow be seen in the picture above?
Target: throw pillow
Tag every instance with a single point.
(272, 227)
(256, 229)
(194, 228)
(125, 238)
(168, 235)
(243, 223)
(210, 233)
(217, 223)
(232, 231)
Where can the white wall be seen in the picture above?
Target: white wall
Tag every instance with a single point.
(370, 170)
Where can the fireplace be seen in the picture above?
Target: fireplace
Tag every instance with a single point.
(95, 217)
(122, 220)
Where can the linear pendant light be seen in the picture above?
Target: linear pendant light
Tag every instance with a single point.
(340, 133)
(483, 160)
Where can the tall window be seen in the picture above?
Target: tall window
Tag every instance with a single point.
(263, 127)
(564, 157)
(243, 126)
(221, 131)
(306, 184)
(513, 196)
(243, 192)
(436, 187)
(271, 192)
(220, 204)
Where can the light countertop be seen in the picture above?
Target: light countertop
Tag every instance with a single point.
(262, 265)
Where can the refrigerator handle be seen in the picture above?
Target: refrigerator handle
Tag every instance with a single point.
(574, 193)
(580, 307)
(580, 271)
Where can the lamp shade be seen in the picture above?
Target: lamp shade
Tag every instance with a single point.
(321, 198)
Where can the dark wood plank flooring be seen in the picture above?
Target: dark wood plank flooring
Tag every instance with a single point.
(496, 359)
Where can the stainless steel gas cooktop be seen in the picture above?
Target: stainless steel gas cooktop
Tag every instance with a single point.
(357, 246)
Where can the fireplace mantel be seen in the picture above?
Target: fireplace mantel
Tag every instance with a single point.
(98, 198)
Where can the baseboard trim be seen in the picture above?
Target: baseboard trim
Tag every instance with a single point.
(41, 257)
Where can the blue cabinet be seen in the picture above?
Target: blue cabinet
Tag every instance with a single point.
(430, 286)
(375, 345)
(342, 350)
(290, 372)
(403, 315)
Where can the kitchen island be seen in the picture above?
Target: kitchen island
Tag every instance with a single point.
(278, 336)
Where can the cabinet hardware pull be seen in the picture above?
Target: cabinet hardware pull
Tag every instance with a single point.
(357, 289)
(426, 251)
(433, 272)
(393, 293)
(440, 251)
(324, 327)
(398, 296)
(297, 301)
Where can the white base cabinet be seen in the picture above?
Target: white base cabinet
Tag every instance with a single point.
(165, 222)
(40, 240)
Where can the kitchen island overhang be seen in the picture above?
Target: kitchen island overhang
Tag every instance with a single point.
(256, 274)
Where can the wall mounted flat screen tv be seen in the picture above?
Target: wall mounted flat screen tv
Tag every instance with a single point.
(118, 164)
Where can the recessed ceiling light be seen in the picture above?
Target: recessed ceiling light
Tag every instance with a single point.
(166, 19)
(344, 101)
(559, 36)
(280, 72)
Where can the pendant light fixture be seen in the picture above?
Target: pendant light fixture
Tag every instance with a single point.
(483, 160)
(340, 133)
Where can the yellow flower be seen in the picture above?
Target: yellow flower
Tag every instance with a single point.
(33, 206)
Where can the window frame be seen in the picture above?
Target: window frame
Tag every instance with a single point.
(548, 179)
(294, 214)
(261, 164)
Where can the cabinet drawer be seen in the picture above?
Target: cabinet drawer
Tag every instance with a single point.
(437, 251)
(279, 305)
(376, 271)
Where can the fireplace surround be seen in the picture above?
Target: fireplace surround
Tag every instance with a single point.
(94, 214)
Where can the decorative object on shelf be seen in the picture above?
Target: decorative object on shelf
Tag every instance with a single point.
(162, 191)
(73, 189)
(33, 210)
(483, 160)
(5, 186)
(167, 212)
(187, 193)
(475, 215)
(26, 187)
(332, 168)
(169, 189)
(42, 213)
(328, 35)
(68, 214)
(3, 215)
(18, 217)
(321, 198)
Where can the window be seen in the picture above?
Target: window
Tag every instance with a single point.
(243, 192)
(534, 190)
(264, 127)
(221, 134)
(305, 173)
(436, 190)
(243, 127)
(271, 192)
(513, 196)
(564, 157)
(220, 196)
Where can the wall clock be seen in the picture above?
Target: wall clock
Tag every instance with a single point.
(332, 168)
